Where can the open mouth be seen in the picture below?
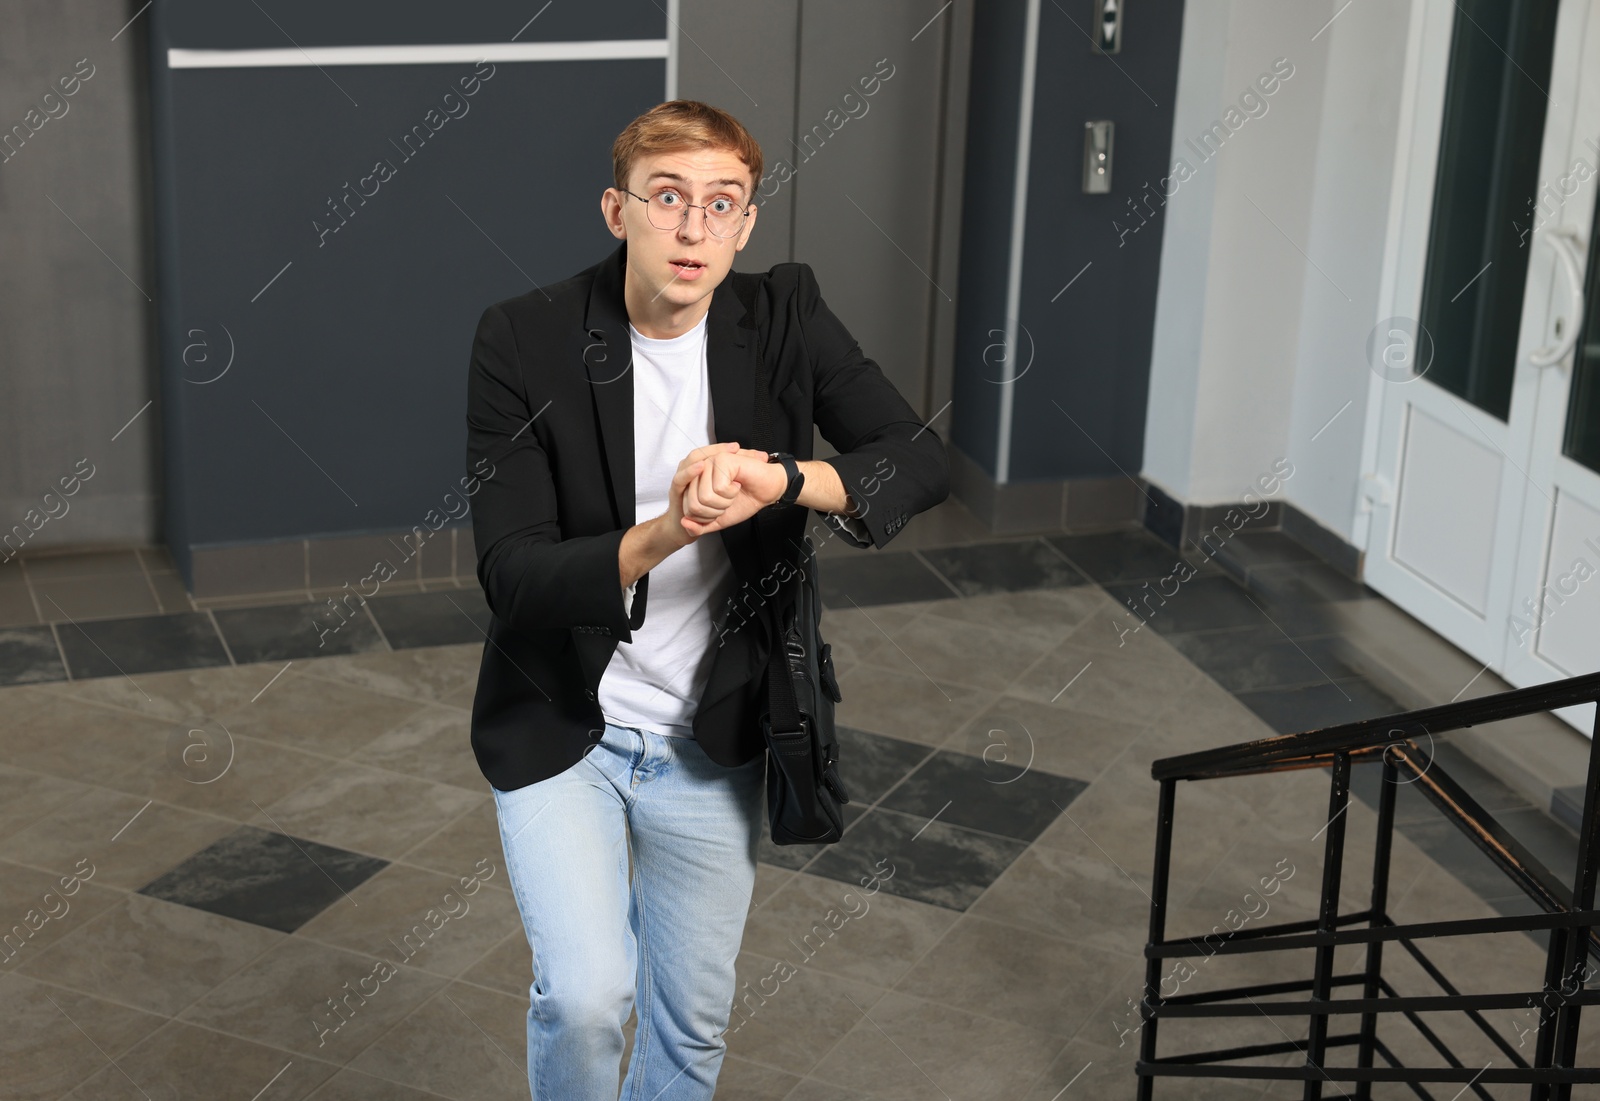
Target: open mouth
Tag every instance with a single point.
(687, 269)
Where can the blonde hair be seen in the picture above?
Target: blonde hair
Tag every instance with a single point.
(683, 124)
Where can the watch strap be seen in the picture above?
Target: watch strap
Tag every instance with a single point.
(791, 467)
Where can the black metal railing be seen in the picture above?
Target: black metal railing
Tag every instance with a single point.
(1568, 914)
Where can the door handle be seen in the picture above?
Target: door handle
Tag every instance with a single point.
(1567, 244)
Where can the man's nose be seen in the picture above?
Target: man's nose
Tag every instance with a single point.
(689, 230)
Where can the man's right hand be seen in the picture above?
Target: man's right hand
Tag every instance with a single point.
(690, 469)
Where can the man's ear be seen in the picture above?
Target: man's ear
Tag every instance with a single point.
(611, 211)
(749, 228)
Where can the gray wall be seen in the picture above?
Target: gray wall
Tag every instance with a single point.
(1084, 350)
(869, 195)
(75, 331)
(343, 412)
(357, 352)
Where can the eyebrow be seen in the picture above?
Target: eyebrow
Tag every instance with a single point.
(681, 179)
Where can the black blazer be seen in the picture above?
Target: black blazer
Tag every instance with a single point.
(550, 441)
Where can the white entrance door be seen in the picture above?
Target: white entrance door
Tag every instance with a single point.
(1553, 625)
(1485, 500)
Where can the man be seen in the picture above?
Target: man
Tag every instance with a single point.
(617, 707)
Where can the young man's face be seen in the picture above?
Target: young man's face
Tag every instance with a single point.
(679, 268)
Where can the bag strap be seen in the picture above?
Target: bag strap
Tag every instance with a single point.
(781, 703)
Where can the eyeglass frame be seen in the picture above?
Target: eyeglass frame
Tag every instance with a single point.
(688, 206)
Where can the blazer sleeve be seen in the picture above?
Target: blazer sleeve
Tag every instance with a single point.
(891, 464)
(532, 578)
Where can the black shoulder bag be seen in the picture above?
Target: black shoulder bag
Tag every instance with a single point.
(804, 792)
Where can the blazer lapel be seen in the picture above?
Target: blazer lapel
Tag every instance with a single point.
(607, 357)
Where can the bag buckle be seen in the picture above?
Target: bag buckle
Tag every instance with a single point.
(804, 729)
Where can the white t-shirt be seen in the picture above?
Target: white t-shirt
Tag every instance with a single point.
(655, 681)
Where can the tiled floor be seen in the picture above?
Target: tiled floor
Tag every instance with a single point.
(214, 829)
(100, 613)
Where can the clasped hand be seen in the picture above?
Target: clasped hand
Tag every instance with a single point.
(720, 485)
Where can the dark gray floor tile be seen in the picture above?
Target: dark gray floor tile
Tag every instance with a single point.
(933, 862)
(265, 878)
(964, 790)
(1207, 603)
(1488, 789)
(442, 618)
(1300, 619)
(28, 655)
(978, 569)
(143, 644)
(1291, 710)
(871, 764)
(1244, 659)
(1455, 852)
(882, 577)
(1253, 549)
(1555, 846)
(1130, 555)
(1201, 603)
(1306, 583)
(289, 631)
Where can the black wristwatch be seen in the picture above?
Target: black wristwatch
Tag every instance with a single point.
(796, 477)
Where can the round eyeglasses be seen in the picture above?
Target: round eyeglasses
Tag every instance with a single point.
(668, 210)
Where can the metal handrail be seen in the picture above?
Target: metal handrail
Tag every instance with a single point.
(1570, 917)
(1374, 734)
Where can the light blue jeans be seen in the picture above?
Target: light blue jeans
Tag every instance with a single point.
(693, 827)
